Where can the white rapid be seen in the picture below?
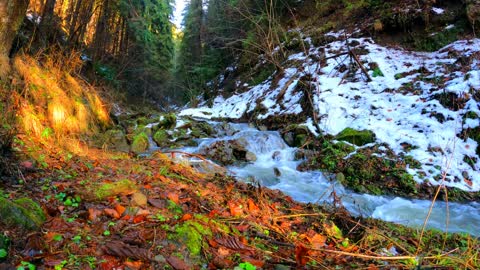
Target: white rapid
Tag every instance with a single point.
(275, 168)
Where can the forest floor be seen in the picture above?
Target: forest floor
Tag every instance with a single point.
(107, 210)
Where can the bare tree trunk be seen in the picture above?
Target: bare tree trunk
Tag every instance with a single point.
(12, 13)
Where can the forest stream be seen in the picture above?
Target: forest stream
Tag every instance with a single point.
(275, 167)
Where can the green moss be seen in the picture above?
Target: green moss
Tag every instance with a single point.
(161, 138)
(104, 191)
(22, 213)
(357, 137)
(191, 233)
(140, 143)
(168, 121)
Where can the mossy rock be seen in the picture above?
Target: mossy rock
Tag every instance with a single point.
(357, 137)
(23, 213)
(115, 139)
(206, 128)
(168, 121)
(143, 121)
(140, 143)
(161, 138)
(101, 191)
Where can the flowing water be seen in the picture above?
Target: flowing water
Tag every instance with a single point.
(275, 168)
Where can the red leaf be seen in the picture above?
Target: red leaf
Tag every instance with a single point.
(138, 219)
(301, 253)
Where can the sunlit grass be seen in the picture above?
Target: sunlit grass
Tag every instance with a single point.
(56, 107)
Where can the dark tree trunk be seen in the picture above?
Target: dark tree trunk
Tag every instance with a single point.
(12, 13)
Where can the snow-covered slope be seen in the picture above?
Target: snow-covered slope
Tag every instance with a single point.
(400, 105)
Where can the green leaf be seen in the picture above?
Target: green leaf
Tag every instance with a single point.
(3, 253)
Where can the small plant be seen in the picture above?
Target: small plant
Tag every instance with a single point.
(3, 253)
(377, 72)
(26, 265)
(245, 266)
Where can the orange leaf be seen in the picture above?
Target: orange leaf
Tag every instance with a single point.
(173, 197)
(133, 265)
(120, 209)
(229, 188)
(318, 241)
(147, 186)
(235, 209)
(223, 252)
(212, 243)
(301, 253)
(111, 213)
(186, 217)
(93, 214)
(252, 207)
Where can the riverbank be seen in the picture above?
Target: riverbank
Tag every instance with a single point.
(106, 210)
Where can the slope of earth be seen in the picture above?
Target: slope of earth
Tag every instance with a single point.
(421, 105)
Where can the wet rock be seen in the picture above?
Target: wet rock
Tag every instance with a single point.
(115, 139)
(296, 135)
(301, 154)
(101, 191)
(161, 138)
(357, 137)
(277, 172)
(249, 156)
(228, 152)
(23, 214)
(140, 143)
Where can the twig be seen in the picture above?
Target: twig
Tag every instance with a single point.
(364, 70)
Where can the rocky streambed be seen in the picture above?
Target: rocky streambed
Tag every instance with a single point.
(307, 168)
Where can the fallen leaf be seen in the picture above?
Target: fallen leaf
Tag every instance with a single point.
(138, 219)
(235, 209)
(158, 203)
(93, 214)
(120, 249)
(111, 212)
(177, 263)
(252, 207)
(173, 197)
(139, 199)
(135, 265)
(186, 217)
(120, 209)
(301, 253)
(223, 252)
(318, 241)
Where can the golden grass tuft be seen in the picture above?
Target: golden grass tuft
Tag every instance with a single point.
(69, 105)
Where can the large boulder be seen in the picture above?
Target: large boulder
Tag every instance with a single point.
(161, 138)
(115, 139)
(24, 214)
(228, 152)
(357, 137)
(140, 143)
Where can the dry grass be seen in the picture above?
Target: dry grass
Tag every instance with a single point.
(52, 98)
